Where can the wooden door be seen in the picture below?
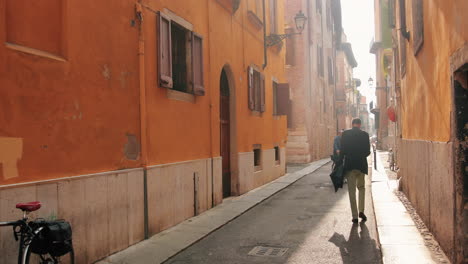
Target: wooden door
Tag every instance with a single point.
(224, 117)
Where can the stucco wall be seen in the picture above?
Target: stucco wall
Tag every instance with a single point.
(425, 92)
(73, 113)
(73, 108)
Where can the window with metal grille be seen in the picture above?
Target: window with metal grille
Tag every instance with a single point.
(277, 155)
(257, 157)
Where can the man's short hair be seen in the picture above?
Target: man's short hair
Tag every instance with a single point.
(356, 121)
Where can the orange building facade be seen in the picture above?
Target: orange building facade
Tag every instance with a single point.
(136, 116)
(430, 80)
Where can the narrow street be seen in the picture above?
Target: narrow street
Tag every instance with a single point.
(308, 219)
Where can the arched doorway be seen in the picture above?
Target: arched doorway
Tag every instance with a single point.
(225, 132)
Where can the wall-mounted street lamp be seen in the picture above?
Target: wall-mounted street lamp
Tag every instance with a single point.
(274, 39)
(370, 82)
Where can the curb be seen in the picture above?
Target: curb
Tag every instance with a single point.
(399, 239)
(166, 244)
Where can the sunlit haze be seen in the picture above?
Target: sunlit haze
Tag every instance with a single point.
(358, 24)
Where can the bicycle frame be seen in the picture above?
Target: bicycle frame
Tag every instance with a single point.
(26, 236)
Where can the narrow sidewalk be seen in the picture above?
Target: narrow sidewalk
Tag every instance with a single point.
(168, 243)
(400, 239)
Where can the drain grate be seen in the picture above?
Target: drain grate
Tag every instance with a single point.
(261, 251)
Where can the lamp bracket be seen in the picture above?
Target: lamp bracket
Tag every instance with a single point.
(275, 39)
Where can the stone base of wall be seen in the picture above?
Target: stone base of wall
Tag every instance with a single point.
(171, 191)
(427, 178)
(106, 210)
(250, 179)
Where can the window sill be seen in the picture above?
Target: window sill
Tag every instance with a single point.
(277, 163)
(255, 20)
(32, 51)
(256, 113)
(180, 96)
(258, 168)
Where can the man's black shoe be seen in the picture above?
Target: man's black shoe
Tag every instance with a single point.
(355, 221)
(363, 217)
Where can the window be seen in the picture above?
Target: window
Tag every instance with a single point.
(329, 16)
(290, 51)
(256, 85)
(418, 25)
(180, 57)
(275, 98)
(318, 4)
(273, 17)
(257, 157)
(331, 75)
(277, 155)
(391, 13)
(320, 69)
(281, 100)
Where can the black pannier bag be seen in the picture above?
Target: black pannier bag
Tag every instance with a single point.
(55, 238)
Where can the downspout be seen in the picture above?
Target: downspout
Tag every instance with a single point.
(309, 41)
(143, 116)
(265, 56)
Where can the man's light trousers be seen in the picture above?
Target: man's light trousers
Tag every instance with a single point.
(356, 179)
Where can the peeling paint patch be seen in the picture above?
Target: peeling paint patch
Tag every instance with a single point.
(132, 147)
(106, 72)
(123, 79)
(11, 150)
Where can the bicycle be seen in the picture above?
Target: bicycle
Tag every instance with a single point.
(49, 240)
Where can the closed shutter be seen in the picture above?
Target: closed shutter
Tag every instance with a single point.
(197, 65)
(418, 25)
(273, 28)
(282, 99)
(165, 54)
(262, 93)
(250, 80)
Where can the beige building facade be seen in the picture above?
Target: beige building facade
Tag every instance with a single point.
(311, 67)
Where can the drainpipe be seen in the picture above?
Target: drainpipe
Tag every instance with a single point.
(265, 56)
(143, 117)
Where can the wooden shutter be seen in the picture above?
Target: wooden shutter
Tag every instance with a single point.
(273, 22)
(197, 65)
(165, 52)
(418, 25)
(262, 92)
(250, 80)
(282, 99)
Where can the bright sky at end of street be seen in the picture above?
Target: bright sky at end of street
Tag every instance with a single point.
(358, 25)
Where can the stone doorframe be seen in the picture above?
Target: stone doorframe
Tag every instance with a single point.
(457, 60)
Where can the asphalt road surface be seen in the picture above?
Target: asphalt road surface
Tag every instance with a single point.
(305, 223)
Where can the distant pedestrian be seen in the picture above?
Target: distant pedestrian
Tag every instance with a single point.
(355, 147)
(337, 145)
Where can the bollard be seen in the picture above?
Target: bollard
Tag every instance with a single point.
(375, 159)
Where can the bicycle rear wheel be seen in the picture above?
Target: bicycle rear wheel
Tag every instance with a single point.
(31, 258)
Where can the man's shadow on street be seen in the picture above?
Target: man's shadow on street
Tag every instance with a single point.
(359, 248)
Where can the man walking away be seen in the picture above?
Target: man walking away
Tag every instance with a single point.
(355, 147)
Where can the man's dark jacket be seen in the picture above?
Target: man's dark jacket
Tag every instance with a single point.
(355, 147)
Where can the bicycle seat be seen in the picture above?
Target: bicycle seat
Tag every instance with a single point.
(29, 207)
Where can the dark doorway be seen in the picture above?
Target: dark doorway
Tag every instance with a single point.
(224, 117)
(461, 143)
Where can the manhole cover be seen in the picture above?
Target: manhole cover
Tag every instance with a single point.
(261, 251)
